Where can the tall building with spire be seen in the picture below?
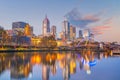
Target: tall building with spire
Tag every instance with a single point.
(46, 26)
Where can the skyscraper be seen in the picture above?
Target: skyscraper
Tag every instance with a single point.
(66, 29)
(80, 34)
(72, 32)
(62, 35)
(53, 30)
(86, 34)
(46, 26)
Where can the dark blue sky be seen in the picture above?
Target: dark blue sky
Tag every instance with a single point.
(34, 11)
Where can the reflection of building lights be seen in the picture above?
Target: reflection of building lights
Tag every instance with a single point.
(62, 64)
(53, 69)
(45, 72)
(86, 58)
(72, 67)
(50, 57)
(21, 71)
(92, 63)
(111, 53)
(30, 75)
(53, 57)
(106, 54)
(88, 72)
(36, 59)
(86, 67)
(68, 56)
(60, 56)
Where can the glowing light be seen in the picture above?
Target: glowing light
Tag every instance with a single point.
(88, 72)
(36, 59)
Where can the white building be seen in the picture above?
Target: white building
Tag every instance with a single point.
(46, 26)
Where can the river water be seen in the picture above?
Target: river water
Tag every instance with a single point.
(86, 65)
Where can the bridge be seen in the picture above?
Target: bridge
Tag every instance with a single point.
(116, 51)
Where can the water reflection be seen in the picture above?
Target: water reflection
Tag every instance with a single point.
(21, 64)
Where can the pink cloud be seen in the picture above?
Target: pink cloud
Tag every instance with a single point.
(91, 17)
(98, 30)
(101, 27)
(108, 21)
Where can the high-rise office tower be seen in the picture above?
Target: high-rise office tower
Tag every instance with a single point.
(72, 32)
(53, 31)
(46, 26)
(80, 34)
(86, 34)
(66, 29)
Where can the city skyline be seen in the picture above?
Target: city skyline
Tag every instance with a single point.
(102, 17)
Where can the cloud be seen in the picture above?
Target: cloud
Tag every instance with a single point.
(108, 21)
(106, 25)
(98, 30)
(76, 18)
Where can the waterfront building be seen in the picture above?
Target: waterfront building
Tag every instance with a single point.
(91, 37)
(9, 32)
(66, 29)
(80, 34)
(46, 26)
(22, 27)
(22, 33)
(18, 27)
(35, 41)
(53, 31)
(86, 34)
(59, 42)
(61, 35)
(28, 31)
(1, 33)
(31, 30)
(72, 32)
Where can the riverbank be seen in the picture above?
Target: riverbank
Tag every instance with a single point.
(47, 49)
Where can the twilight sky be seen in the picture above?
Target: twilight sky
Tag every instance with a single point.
(102, 17)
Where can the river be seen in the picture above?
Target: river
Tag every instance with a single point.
(86, 65)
